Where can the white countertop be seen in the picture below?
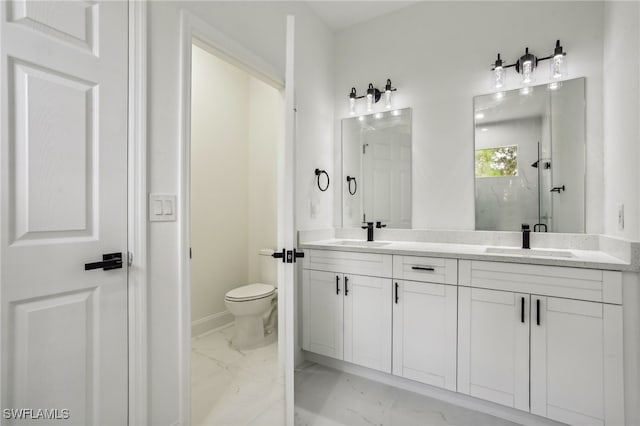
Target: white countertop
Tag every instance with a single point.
(594, 259)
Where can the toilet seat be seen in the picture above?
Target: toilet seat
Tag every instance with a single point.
(250, 292)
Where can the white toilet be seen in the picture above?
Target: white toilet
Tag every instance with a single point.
(254, 306)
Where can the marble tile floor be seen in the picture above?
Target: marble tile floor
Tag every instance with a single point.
(327, 397)
(233, 388)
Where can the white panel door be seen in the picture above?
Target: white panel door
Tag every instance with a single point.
(573, 359)
(425, 332)
(322, 313)
(64, 203)
(367, 321)
(387, 178)
(493, 346)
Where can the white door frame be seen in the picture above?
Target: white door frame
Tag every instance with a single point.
(192, 27)
(137, 217)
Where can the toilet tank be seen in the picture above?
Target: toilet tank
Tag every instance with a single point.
(268, 267)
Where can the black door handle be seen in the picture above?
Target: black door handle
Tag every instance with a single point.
(109, 261)
(346, 286)
(522, 310)
(538, 311)
(396, 293)
(337, 284)
(280, 255)
(297, 254)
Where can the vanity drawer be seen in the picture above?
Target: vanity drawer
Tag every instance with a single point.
(349, 262)
(559, 281)
(426, 269)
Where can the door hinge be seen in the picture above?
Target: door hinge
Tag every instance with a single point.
(129, 259)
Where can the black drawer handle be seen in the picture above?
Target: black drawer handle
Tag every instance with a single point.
(337, 285)
(423, 268)
(396, 293)
(346, 286)
(522, 311)
(538, 311)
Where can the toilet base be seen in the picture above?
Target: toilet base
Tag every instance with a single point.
(249, 333)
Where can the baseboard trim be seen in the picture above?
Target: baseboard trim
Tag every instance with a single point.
(210, 323)
(455, 398)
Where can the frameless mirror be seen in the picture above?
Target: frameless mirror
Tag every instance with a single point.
(530, 158)
(376, 169)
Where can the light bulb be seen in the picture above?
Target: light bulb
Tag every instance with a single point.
(557, 66)
(526, 72)
(387, 94)
(369, 102)
(352, 101)
(498, 77)
(387, 99)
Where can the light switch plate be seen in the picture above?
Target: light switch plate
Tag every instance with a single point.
(162, 208)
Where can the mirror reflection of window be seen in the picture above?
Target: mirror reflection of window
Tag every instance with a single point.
(494, 162)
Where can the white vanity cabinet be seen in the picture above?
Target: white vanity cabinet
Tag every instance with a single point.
(425, 320)
(559, 336)
(347, 315)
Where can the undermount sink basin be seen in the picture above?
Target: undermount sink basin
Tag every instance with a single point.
(528, 252)
(358, 243)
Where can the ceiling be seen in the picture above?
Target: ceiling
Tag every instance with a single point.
(340, 14)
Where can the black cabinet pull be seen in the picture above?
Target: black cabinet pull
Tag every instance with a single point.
(346, 286)
(396, 293)
(337, 284)
(538, 311)
(522, 310)
(422, 268)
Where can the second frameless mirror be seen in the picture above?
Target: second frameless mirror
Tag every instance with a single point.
(530, 158)
(376, 169)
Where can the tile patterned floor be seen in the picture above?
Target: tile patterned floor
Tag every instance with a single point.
(233, 388)
(237, 388)
(329, 397)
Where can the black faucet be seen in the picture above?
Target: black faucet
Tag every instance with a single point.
(525, 236)
(369, 229)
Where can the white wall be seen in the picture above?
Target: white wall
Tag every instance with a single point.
(260, 27)
(219, 185)
(439, 56)
(621, 112)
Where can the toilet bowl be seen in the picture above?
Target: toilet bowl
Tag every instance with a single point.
(254, 307)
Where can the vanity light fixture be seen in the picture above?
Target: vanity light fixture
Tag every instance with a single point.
(526, 64)
(372, 96)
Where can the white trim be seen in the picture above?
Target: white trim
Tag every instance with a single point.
(455, 398)
(192, 27)
(137, 223)
(211, 322)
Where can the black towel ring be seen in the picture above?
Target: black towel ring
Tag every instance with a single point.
(318, 173)
(355, 184)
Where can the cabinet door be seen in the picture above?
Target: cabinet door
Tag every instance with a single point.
(576, 361)
(493, 346)
(424, 332)
(322, 312)
(367, 321)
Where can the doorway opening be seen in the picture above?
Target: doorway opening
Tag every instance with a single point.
(236, 132)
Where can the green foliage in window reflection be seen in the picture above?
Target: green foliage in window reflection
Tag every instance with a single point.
(501, 161)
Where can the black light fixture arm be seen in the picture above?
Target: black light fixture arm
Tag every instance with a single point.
(375, 92)
(558, 50)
